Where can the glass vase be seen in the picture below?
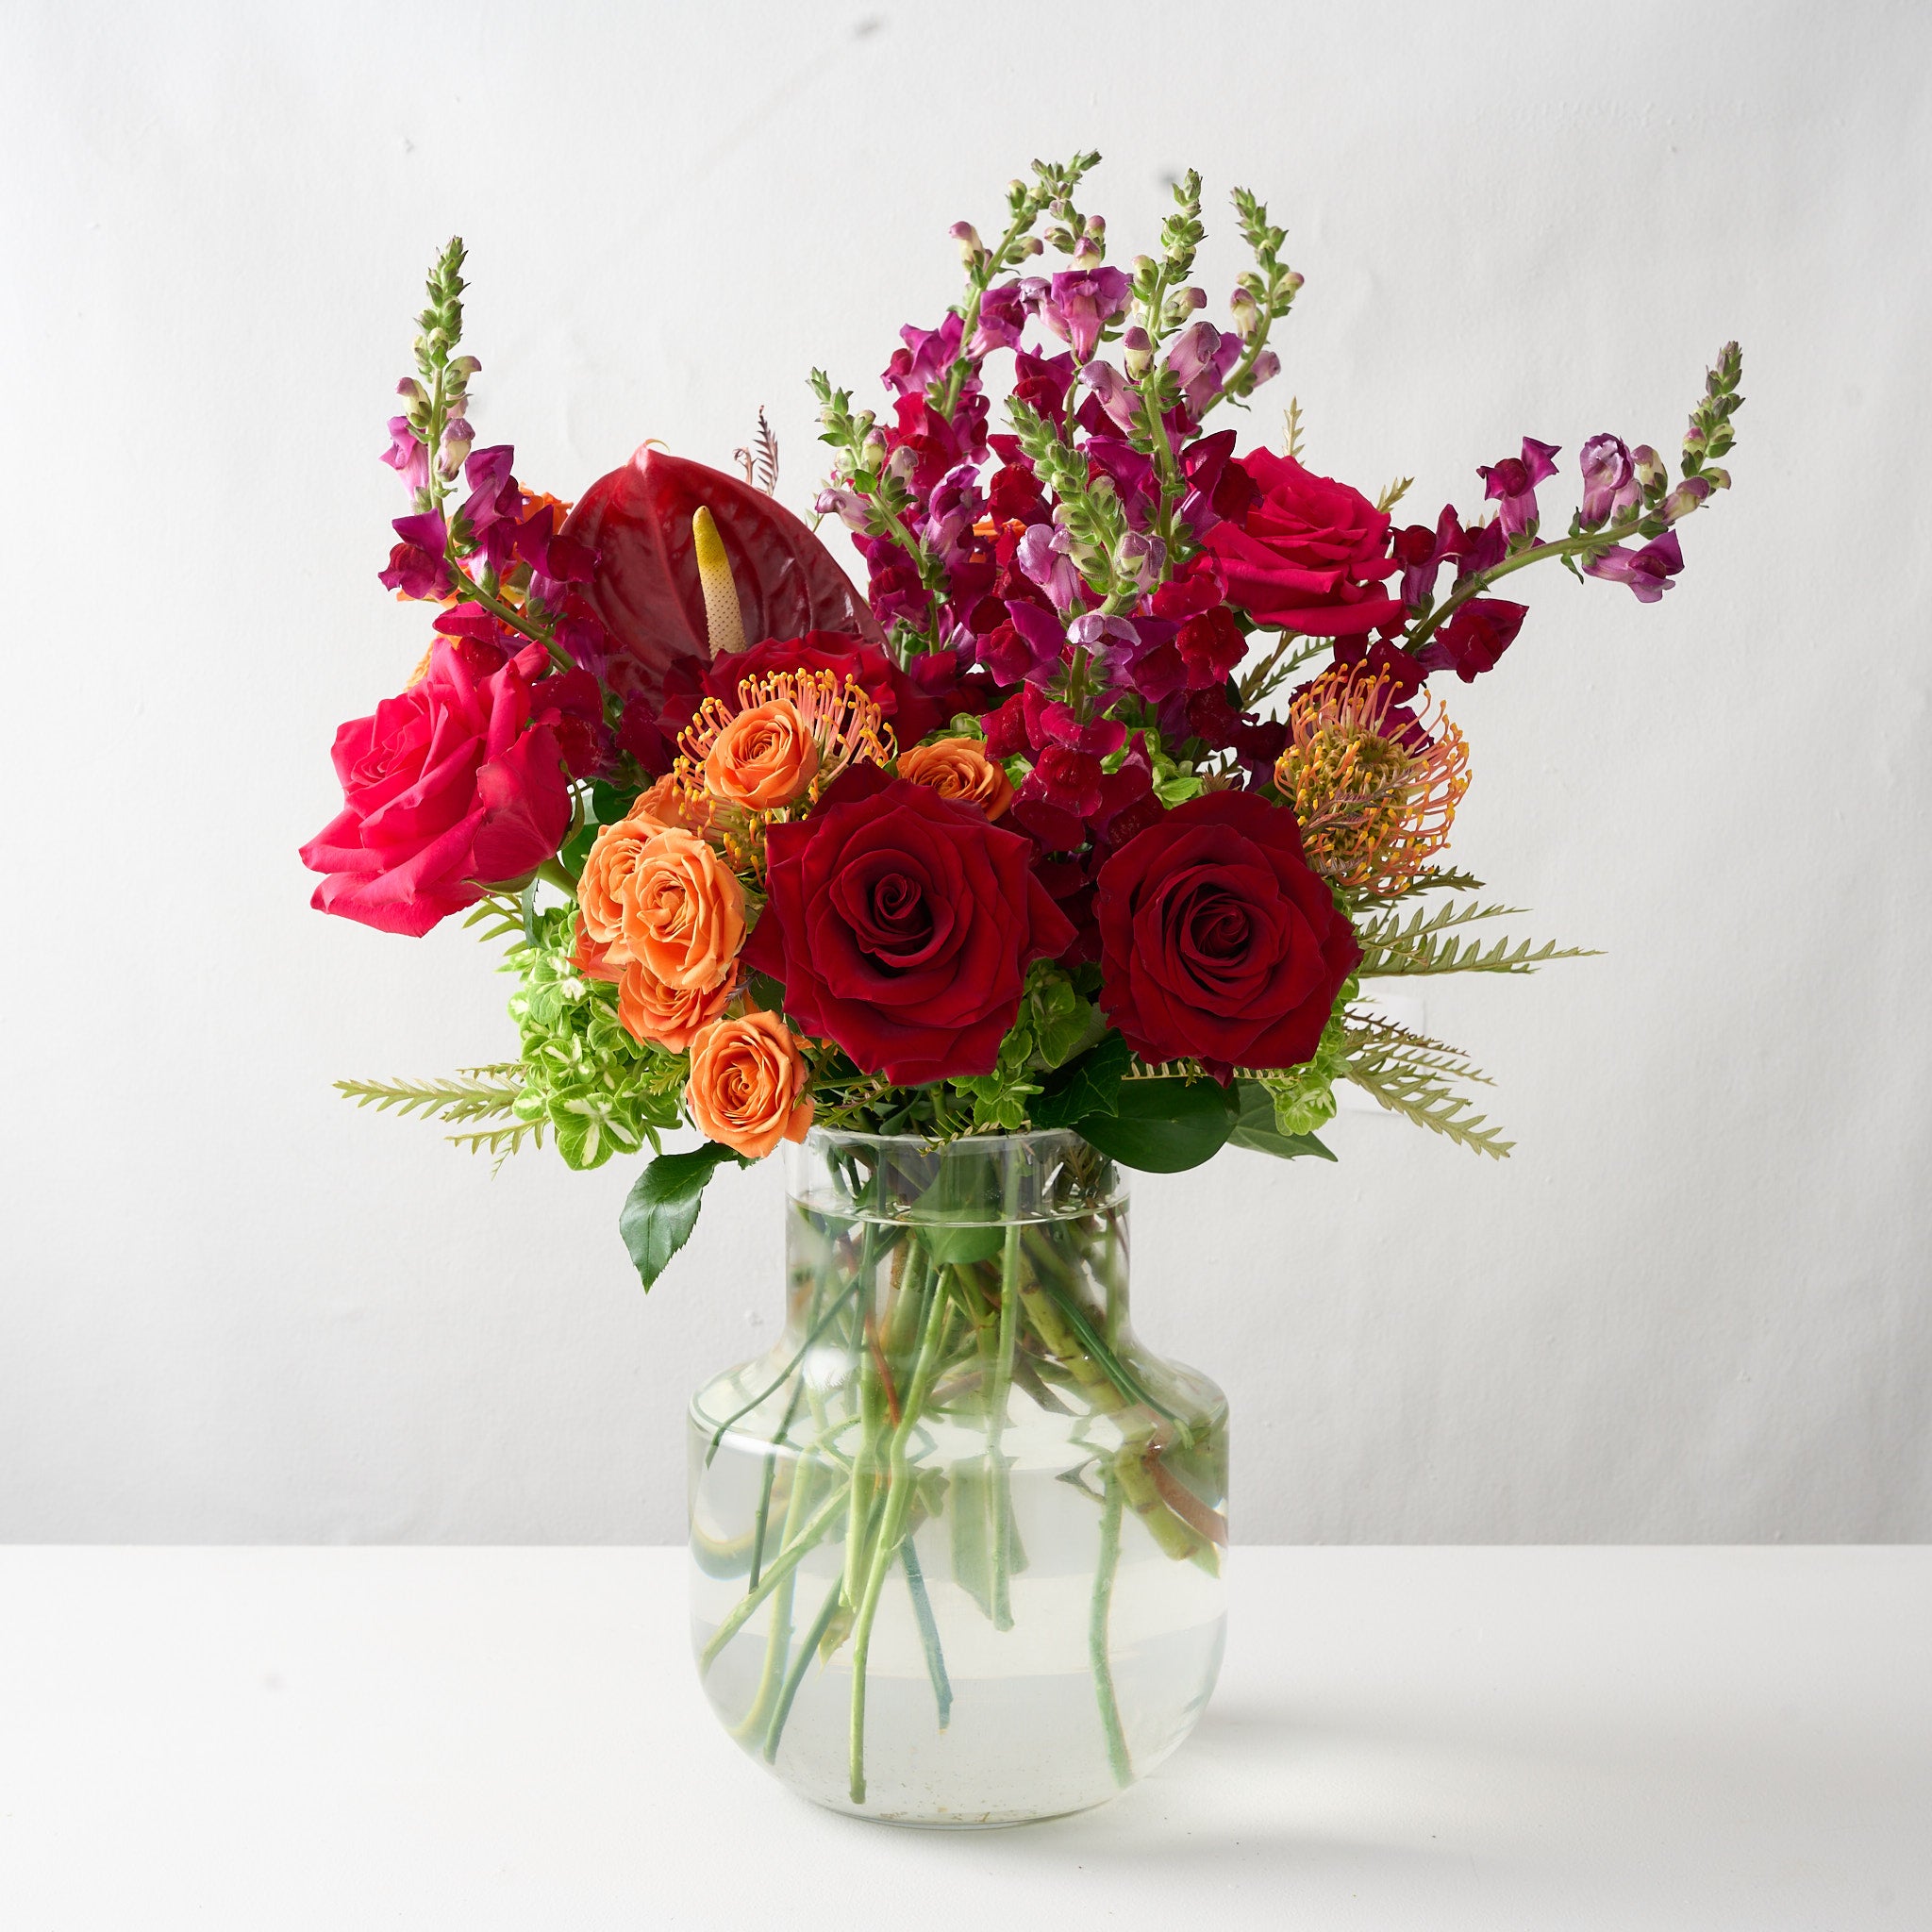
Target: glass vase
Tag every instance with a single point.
(957, 1543)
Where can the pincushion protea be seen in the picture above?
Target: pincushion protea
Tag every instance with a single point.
(1374, 782)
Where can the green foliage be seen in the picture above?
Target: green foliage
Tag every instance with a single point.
(598, 1090)
(1256, 1128)
(1089, 1085)
(1426, 941)
(480, 1100)
(1416, 1077)
(1054, 1023)
(662, 1206)
(1164, 1125)
(1430, 879)
(1302, 1097)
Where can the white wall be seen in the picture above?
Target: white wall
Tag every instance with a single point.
(1693, 1305)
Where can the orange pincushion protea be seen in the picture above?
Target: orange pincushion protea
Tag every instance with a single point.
(1374, 786)
(835, 716)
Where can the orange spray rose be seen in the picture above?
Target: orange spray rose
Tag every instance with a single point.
(764, 758)
(747, 1085)
(667, 1016)
(958, 768)
(681, 911)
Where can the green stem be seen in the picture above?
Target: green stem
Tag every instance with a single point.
(1105, 1568)
(997, 1399)
(1533, 552)
(1050, 1272)
(778, 1642)
(928, 1632)
(764, 1509)
(795, 1675)
(467, 586)
(891, 1529)
(817, 1328)
(782, 1567)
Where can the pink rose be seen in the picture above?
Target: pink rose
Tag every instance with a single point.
(1308, 554)
(448, 788)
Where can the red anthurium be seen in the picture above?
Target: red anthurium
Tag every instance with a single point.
(644, 587)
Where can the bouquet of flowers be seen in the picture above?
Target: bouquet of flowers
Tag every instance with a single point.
(1094, 812)
(1068, 845)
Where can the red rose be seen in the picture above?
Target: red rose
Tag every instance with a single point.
(902, 926)
(1309, 554)
(1217, 941)
(447, 788)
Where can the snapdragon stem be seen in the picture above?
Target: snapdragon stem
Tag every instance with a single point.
(1531, 552)
(790, 1368)
(782, 1566)
(779, 1640)
(928, 1632)
(997, 1399)
(795, 1675)
(892, 1524)
(1105, 1568)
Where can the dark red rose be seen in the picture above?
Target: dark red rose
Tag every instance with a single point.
(902, 926)
(446, 788)
(1309, 555)
(1217, 941)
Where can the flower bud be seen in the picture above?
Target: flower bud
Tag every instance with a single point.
(972, 250)
(1032, 246)
(902, 465)
(1137, 352)
(1689, 495)
(1651, 472)
(1245, 312)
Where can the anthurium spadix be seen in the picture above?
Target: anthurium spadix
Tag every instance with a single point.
(647, 588)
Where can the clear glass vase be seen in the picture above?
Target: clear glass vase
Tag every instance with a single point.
(957, 1543)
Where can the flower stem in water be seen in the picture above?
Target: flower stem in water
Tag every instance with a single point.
(1108, 1564)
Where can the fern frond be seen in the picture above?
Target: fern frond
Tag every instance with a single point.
(504, 917)
(1291, 426)
(1425, 941)
(1376, 1034)
(1406, 1077)
(1430, 879)
(477, 1093)
(760, 461)
(1394, 493)
(501, 1141)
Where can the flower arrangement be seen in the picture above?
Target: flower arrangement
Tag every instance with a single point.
(1096, 810)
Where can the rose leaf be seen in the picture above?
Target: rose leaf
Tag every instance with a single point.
(662, 1206)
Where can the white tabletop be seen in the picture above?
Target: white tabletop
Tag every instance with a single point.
(278, 1738)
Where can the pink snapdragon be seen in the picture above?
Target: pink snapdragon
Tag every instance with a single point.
(1511, 484)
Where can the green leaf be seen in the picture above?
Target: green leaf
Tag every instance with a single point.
(1256, 1127)
(1087, 1086)
(577, 849)
(662, 1206)
(1163, 1126)
(611, 803)
(963, 1241)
